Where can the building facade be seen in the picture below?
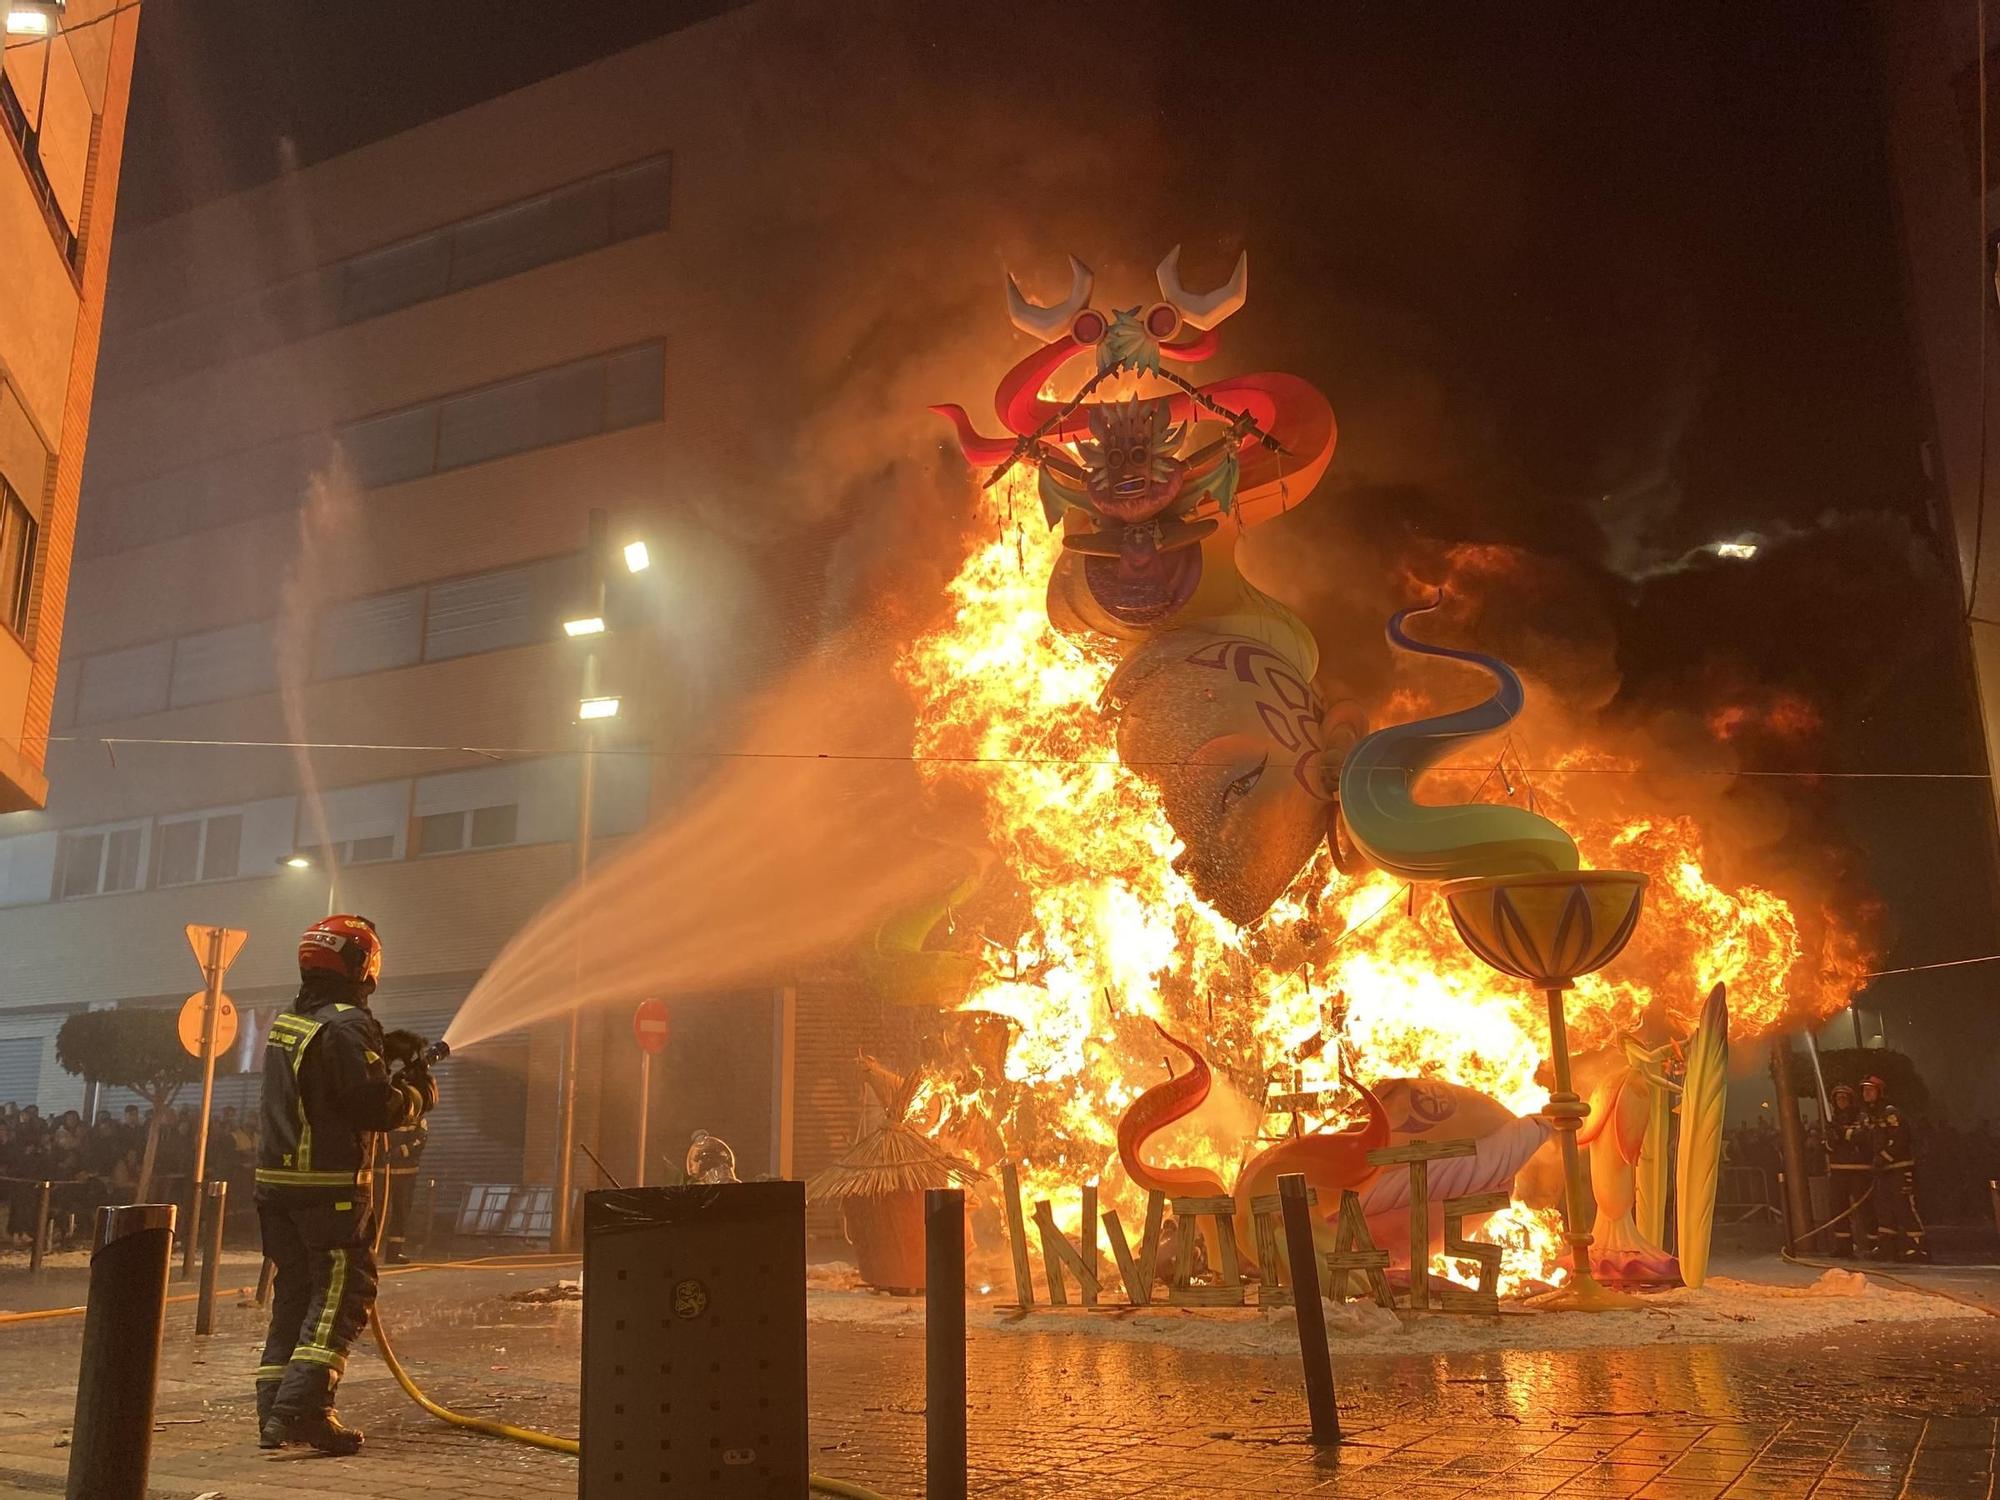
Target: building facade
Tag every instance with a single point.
(353, 426)
(63, 96)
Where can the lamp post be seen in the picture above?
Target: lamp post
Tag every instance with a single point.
(304, 860)
(1551, 929)
(593, 708)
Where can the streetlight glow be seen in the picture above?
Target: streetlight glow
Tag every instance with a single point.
(297, 862)
(597, 708)
(27, 23)
(637, 558)
(588, 625)
(1741, 551)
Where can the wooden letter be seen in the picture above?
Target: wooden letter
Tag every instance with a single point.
(1058, 1253)
(1221, 1212)
(1138, 1273)
(1486, 1297)
(1418, 1155)
(1017, 1236)
(1267, 1213)
(1348, 1256)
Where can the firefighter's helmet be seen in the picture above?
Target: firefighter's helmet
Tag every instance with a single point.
(346, 946)
(1874, 1081)
(1843, 1088)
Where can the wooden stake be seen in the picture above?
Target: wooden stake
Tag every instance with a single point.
(1017, 1236)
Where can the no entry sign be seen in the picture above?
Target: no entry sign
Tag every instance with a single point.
(649, 1027)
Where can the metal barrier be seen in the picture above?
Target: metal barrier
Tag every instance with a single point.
(1744, 1194)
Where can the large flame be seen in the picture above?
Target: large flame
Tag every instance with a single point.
(1113, 938)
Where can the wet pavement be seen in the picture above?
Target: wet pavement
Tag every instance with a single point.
(1904, 1410)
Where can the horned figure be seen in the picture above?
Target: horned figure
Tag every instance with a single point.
(1216, 699)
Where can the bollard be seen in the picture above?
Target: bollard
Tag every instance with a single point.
(211, 1255)
(38, 1247)
(111, 1438)
(1322, 1401)
(264, 1282)
(1785, 1205)
(427, 1218)
(944, 1344)
(1993, 1189)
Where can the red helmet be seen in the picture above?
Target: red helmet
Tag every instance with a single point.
(346, 946)
(1873, 1081)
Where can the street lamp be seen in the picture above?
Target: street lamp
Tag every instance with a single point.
(1737, 551)
(309, 859)
(593, 708)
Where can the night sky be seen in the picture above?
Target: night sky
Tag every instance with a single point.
(1596, 285)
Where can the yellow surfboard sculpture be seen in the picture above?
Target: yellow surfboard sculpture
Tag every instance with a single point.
(1698, 1167)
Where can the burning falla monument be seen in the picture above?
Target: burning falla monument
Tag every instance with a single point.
(1207, 884)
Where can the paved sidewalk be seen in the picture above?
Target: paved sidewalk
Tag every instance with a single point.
(1892, 1411)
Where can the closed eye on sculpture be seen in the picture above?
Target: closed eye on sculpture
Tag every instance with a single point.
(1242, 786)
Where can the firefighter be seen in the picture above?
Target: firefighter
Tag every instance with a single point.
(1850, 1173)
(1899, 1233)
(406, 1150)
(328, 1096)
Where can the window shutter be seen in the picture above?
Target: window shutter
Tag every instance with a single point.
(124, 684)
(370, 635)
(486, 613)
(231, 663)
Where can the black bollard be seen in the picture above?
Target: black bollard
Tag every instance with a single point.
(264, 1283)
(111, 1438)
(1322, 1402)
(39, 1245)
(944, 1344)
(211, 1255)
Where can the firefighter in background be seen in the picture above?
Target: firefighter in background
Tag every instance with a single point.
(328, 1098)
(1899, 1233)
(406, 1151)
(1850, 1173)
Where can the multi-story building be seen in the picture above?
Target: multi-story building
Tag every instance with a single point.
(353, 426)
(63, 95)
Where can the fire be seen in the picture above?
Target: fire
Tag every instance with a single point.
(1107, 936)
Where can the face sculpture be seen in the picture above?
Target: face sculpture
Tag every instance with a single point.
(1244, 755)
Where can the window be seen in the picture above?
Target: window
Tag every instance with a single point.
(18, 535)
(200, 849)
(368, 851)
(538, 231)
(99, 863)
(219, 664)
(123, 684)
(488, 612)
(370, 635)
(475, 828)
(605, 393)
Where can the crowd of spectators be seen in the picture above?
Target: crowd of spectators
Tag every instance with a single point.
(98, 1163)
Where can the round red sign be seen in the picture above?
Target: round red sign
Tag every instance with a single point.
(649, 1026)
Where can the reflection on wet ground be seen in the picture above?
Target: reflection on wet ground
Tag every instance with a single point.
(1904, 1410)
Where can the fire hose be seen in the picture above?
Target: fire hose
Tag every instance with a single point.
(553, 1442)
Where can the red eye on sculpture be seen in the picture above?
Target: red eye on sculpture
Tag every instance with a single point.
(1163, 320)
(1087, 327)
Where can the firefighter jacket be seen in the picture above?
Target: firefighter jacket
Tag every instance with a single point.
(327, 1093)
(406, 1146)
(1890, 1127)
(1850, 1143)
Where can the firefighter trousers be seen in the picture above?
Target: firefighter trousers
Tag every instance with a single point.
(1900, 1235)
(1848, 1186)
(322, 1243)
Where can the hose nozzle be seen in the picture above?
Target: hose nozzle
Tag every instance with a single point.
(436, 1052)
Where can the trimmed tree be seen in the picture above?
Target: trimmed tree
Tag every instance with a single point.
(138, 1050)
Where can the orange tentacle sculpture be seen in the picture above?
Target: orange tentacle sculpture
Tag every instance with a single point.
(1152, 1112)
